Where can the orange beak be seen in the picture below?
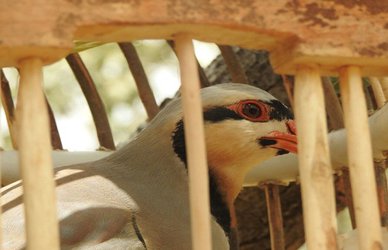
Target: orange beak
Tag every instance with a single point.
(281, 140)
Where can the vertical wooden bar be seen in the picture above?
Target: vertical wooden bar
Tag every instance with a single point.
(336, 121)
(349, 196)
(202, 75)
(319, 211)
(384, 85)
(360, 159)
(333, 106)
(381, 178)
(195, 144)
(275, 218)
(377, 91)
(35, 159)
(369, 98)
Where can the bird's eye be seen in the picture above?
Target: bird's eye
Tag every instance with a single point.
(251, 110)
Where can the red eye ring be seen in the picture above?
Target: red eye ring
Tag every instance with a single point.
(251, 110)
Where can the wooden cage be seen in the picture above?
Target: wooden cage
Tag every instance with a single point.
(307, 39)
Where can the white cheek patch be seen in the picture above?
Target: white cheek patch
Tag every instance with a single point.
(242, 131)
(237, 140)
(263, 129)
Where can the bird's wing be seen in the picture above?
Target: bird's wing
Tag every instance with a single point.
(114, 229)
(89, 218)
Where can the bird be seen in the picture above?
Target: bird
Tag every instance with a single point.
(137, 197)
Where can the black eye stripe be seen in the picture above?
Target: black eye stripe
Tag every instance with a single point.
(218, 114)
(279, 111)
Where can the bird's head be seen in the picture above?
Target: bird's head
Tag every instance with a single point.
(244, 126)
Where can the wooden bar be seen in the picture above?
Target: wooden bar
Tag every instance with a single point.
(143, 87)
(371, 104)
(319, 211)
(202, 75)
(377, 91)
(8, 106)
(195, 144)
(384, 85)
(335, 122)
(380, 165)
(235, 69)
(275, 218)
(35, 159)
(95, 103)
(382, 191)
(333, 106)
(360, 158)
(56, 142)
(345, 178)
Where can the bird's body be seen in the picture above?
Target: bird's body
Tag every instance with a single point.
(138, 196)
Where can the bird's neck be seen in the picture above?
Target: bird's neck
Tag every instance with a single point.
(228, 186)
(223, 187)
(219, 205)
